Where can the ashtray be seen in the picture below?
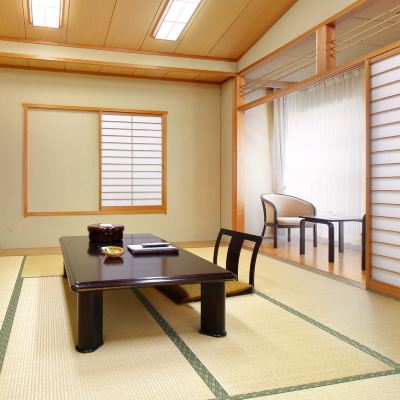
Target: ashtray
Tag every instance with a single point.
(112, 251)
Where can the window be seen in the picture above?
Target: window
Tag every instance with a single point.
(320, 143)
(117, 163)
(132, 161)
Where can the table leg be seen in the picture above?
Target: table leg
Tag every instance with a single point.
(331, 235)
(213, 309)
(315, 235)
(65, 272)
(302, 236)
(90, 321)
(341, 237)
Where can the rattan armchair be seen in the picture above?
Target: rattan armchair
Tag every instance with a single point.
(283, 211)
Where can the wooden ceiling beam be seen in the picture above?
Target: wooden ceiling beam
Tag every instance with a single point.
(238, 157)
(325, 46)
(115, 59)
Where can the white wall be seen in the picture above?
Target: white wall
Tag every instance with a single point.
(193, 153)
(258, 164)
(300, 18)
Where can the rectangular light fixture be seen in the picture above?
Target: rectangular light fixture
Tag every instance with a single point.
(45, 13)
(174, 18)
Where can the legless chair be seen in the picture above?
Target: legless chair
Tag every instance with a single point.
(283, 211)
(192, 292)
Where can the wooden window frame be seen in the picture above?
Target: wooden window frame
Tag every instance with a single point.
(162, 209)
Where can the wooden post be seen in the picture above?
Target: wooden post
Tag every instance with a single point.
(237, 157)
(326, 56)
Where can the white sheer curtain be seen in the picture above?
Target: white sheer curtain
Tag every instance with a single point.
(322, 130)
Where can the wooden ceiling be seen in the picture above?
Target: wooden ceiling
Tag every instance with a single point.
(220, 28)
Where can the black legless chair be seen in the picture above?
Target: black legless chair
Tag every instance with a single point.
(192, 292)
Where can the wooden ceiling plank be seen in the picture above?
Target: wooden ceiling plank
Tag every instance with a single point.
(46, 64)
(89, 20)
(110, 69)
(47, 34)
(26, 17)
(128, 27)
(149, 72)
(12, 18)
(210, 78)
(213, 20)
(82, 67)
(13, 61)
(254, 21)
(181, 75)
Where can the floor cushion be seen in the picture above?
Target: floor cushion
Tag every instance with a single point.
(192, 292)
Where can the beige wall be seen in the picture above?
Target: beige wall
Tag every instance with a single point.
(226, 154)
(258, 163)
(72, 183)
(193, 153)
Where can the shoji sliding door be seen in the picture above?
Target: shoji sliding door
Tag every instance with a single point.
(383, 192)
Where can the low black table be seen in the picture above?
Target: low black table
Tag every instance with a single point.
(327, 220)
(89, 273)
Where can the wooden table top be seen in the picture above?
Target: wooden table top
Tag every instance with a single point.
(88, 269)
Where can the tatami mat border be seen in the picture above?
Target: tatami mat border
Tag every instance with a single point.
(317, 271)
(10, 313)
(196, 364)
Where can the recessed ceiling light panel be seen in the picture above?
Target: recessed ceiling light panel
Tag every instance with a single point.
(45, 13)
(174, 19)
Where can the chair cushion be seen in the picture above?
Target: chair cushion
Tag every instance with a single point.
(192, 292)
(289, 221)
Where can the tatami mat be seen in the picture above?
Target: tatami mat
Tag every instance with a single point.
(383, 388)
(9, 269)
(303, 335)
(138, 361)
(367, 317)
(49, 265)
(266, 347)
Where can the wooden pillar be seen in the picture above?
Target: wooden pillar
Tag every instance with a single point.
(237, 157)
(326, 56)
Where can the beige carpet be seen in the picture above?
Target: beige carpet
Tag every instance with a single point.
(48, 265)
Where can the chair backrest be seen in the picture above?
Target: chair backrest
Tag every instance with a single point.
(282, 205)
(234, 249)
